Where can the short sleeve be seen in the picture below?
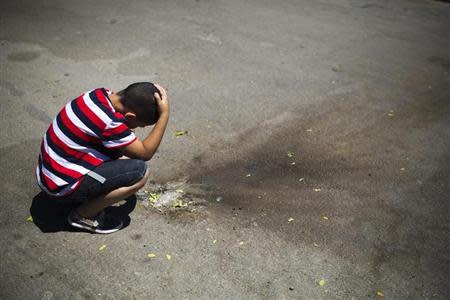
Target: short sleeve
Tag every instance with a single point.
(117, 134)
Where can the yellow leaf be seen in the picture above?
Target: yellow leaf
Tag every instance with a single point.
(241, 243)
(151, 255)
(325, 218)
(168, 256)
(179, 203)
(380, 294)
(103, 247)
(154, 197)
(30, 219)
(215, 241)
(180, 132)
(322, 282)
(290, 219)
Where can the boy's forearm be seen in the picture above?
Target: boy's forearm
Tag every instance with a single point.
(152, 141)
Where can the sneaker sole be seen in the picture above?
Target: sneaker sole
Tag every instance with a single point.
(96, 230)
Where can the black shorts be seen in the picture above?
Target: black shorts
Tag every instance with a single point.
(116, 173)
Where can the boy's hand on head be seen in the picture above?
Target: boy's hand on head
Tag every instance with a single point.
(163, 101)
(146, 149)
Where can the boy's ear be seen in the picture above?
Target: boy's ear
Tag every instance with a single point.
(130, 115)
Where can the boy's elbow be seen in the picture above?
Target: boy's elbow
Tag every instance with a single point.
(147, 155)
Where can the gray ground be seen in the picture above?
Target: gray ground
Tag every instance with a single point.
(357, 91)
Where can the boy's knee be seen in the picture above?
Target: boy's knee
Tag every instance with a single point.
(144, 179)
(144, 171)
(138, 166)
(146, 175)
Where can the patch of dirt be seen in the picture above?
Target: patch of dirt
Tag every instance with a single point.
(177, 200)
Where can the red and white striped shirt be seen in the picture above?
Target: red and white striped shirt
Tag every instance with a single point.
(85, 133)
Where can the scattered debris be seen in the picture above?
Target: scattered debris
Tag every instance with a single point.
(317, 190)
(180, 203)
(248, 175)
(168, 256)
(293, 163)
(30, 219)
(215, 241)
(151, 255)
(336, 68)
(218, 199)
(322, 282)
(241, 243)
(402, 169)
(103, 247)
(290, 154)
(325, 218)
(301, 179)
(290, 219)
(180, 132)
(380, 294)
(154, 197)
(391, 113)
(316, 245)
(171, 196)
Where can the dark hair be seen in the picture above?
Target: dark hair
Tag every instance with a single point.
(139, 98)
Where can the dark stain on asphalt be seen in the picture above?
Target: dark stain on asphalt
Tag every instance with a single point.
(372, 5)
(11, 88)
(23, 56)
(440, 61)
(40, 274)
(14, 159)
(17, 236)
(86, 296)
(368, 216)
(136, 236)
(36, 113)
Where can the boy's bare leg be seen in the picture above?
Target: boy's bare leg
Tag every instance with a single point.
(93, 207)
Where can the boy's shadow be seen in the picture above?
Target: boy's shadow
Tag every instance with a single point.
(51, 216)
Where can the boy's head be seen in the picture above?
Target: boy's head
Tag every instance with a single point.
(140, 102)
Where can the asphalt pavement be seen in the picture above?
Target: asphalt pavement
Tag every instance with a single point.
(315, 149)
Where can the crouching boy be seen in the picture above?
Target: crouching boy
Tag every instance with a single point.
(80, 153)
